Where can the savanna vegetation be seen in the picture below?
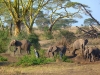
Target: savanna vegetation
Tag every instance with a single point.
(36, 21)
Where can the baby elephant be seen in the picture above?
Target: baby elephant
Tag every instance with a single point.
(54, 50)
(91, 53)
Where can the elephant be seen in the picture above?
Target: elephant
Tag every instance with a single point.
(21, 45)
(91, 53)
(79, 44)
(60, 49)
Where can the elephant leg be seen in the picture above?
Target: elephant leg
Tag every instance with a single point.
(28, 52)
(74, 52)
(20, 50)
(90, 57)
(61, 54)
(53, 53)
(93, 57)
(28, 49)
(15, 50)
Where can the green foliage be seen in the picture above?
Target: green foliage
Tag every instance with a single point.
(28, 60)
(33, 38)
(32, 60)
(22, 35)
(70, 36)
(66, 59)
(4, 39)
(89, 21)
(47, 34)
(71, 4)
(3, 59)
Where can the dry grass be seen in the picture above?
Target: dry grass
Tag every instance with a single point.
(53, 69)
(94, 41)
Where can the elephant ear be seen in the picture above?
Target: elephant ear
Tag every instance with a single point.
(50, 48)
(86, 41)
(12, 43)
(54, 48)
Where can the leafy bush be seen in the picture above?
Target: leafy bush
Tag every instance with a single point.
(28, 60)
(4, 40)
(31, 60)
(47, 34)
(22, 35)
(3, 59)
(66, 59)
(33, 38)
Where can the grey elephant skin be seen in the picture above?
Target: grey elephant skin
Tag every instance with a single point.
(52, 50)
(91, 53)
(21, 45)
(79, 44)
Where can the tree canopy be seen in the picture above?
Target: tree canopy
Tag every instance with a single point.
(40, 12)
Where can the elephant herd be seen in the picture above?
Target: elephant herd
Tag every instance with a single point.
(88, 52)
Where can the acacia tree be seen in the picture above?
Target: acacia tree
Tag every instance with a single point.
(20, 9)
(60, 10)
(31, 9)
(13, 8)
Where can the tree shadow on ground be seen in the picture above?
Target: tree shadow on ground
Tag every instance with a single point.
(4, 63)
(72, 56)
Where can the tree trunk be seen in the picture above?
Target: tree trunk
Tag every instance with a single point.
(10, 29)
(17, 28)
(29, 30)
(50, 29)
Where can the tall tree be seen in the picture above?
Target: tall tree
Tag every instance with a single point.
(24, 10)
(13, 7)
(32, 9)
(60, 10)
(63, 23)
(41, 21)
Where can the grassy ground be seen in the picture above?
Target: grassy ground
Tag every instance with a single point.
(53, 69)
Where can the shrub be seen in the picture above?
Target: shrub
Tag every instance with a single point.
(48, 35)
(22, 35)
(4, 40)
(66, 59)
(33, 38)
(31, 60)
(28, 60)
(3, 59)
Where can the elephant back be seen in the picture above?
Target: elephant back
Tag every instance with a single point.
(62, 48)
(25, 43)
